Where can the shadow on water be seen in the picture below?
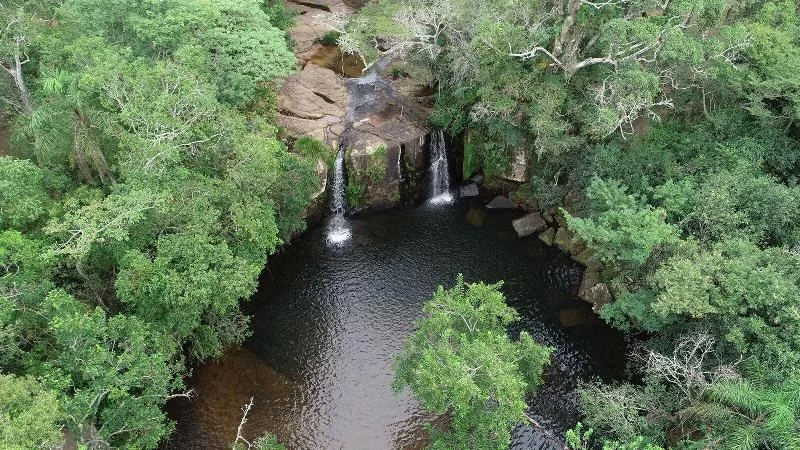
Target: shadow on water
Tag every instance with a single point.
(328, 320)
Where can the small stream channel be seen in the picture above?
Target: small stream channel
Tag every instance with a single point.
(328, 320)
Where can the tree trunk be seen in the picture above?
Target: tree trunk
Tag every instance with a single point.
(19, 82)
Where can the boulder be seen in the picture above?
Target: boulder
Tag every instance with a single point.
(548, 236)
(563, 239)
(598, 296)
(529, 224)
(559, 218)
(578, 245)
(478, 178)
(470, 190)
(593, 291)
(518, 169)
(587, 259)
(590, 279)
(501, 202)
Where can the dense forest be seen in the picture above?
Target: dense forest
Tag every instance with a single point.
(669, 132)
(144, 184)
(143, 191)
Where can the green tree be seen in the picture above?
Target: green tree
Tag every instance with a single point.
(460, 361)
(621, 229)
(115, 373)
(30, 414)
(23, 199)
(748, 417)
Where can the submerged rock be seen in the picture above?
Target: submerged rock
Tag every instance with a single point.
(501, 202)
(576, 317)
(470, 190)
(529, 224)
(476, 217)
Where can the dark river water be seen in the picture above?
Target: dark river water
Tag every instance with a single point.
(329, 319)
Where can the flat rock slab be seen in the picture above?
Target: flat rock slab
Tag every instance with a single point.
(470, 190)
(313, 93)
(501, 202)
(529, 224)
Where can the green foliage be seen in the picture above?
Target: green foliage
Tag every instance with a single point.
(623, 411)
(120, 370)
(330, 38)
(23, 199)
(159, 189)
(745, 295)
(30, 415)
(577, 439)
(355, 194)
(460, 361)
(314, 149)
(376, 168)
(243, 28)
(622, 230)
(749, 417)
(26, 269)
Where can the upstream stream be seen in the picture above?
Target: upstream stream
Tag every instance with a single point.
(329, 318)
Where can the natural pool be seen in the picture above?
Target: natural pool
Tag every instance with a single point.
(328, 320)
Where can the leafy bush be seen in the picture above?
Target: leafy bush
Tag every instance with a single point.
(330, 38)
(314, 149)
(621, 229)
(355, 194)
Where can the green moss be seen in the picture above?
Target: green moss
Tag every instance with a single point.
(375, 171)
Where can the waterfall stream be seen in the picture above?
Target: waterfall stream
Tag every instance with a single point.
(440, 171)
(338, 230)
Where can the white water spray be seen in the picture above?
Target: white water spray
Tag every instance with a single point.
(440, 171)
(338, 230)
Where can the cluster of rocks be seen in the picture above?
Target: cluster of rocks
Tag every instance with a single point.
(553, 230)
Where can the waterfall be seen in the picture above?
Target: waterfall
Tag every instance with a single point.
(338, 230)
(440, 171)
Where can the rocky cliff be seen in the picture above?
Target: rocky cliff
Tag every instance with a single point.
(377, 118)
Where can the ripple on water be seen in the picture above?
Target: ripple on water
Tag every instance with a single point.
(328, 320)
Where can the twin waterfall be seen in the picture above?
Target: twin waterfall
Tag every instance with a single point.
(440, 171)
(338, 228)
